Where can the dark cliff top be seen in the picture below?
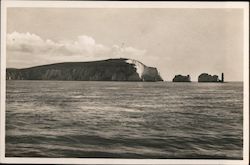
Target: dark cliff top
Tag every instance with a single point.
(111, 62)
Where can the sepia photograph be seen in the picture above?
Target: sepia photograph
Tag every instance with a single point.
(116, 82)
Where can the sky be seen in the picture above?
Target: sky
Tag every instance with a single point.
(175, 41)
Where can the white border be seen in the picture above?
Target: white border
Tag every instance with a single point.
(122, 4)
(246, 87)
(114, 4)
(3, 68)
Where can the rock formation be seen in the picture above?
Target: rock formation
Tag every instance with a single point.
(106, 70)
(145, 73)
(180, 78)
(204, 77)
(222, 77)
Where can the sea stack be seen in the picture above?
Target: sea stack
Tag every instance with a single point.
(222, 77)
(204, 77)
(180, 78)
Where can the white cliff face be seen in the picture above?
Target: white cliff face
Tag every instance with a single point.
(138, 65)
(145, 73)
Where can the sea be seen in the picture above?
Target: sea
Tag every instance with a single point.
(131, 120)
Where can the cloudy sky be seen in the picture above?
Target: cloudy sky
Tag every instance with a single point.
(176, 41)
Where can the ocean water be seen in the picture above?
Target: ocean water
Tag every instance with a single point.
(76, 119)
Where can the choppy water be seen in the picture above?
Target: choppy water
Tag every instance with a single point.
(124, 119)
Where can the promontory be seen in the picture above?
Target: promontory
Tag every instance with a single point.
(120, 69)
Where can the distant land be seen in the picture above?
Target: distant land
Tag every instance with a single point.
(121, 69)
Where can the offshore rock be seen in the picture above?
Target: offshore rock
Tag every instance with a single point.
(180, 78)
(204, 77)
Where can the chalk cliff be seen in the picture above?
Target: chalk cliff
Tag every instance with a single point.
(106, 70)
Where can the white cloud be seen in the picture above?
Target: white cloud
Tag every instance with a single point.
(26, 49)
(128, 52)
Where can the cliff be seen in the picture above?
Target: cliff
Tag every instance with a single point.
(180, 78)
(204, 77)
(106, 70)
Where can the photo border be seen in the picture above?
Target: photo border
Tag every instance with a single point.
(121, 4)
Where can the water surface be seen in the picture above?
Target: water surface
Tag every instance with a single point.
(124, 119)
